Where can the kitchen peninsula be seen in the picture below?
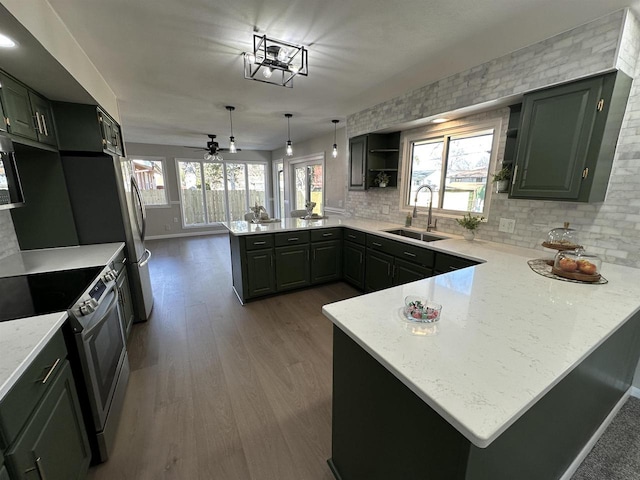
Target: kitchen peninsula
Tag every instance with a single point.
(511, 383)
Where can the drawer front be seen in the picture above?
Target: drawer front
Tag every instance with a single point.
(325, 234)
(447, 263)
(258, 242)
(31, 386)
(355, 236)
(380, 244)
(414, 254)
(296, 237)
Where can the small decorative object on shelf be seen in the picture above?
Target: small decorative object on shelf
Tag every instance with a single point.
(382, 179)
(501, 179)
(407, 221)
(470, 225)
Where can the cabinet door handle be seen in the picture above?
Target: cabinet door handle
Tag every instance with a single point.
(44, 125)
(314, 255)
(292, 239)
(393, 275)
(38, 124)
(327, 234)
(376, 244)
(410, 254)
(515, 174)
(350, 236)
(259, 243)
(388, 269)
(307, 255)
(271, 257)
(50, 372)
(39, 467)
(585, 173)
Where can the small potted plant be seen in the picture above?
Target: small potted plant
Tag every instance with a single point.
(501, 179)
(382, 179)
(470, 225)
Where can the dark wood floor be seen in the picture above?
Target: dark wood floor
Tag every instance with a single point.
(224, 391)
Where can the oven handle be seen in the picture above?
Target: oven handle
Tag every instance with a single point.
(114, 303)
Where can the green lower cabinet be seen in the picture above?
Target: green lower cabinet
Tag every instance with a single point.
(326, 261)
(292, 267)
(261, 273)
(353, 258)
(4, 475)
(379, 271)
(405, 272)
(53, 445)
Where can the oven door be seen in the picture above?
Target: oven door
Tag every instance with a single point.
(102, 352)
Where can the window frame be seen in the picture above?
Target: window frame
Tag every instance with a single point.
(441, 132)
(203, 162)
(163, 162)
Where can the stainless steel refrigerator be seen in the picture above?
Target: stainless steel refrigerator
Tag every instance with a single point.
(107, 207)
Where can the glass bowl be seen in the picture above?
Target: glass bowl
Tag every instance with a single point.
(576, 263)
(417, 309)
(564, 238)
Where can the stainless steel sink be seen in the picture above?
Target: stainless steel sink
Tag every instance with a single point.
(425, 237)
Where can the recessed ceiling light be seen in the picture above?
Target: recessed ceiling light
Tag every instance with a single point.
(6, 42)
(439, 120)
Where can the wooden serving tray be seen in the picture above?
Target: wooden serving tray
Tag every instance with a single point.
(560, 246)
(582, 277)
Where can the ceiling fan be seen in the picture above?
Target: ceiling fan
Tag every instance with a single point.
(213, 149)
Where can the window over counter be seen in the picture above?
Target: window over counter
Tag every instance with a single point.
(213, 192)
(150, 175)
(455, 162)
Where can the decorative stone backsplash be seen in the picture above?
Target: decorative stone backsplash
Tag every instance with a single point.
(610, 229)
(8, 241)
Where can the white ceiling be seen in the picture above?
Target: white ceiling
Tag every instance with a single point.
(174, 65)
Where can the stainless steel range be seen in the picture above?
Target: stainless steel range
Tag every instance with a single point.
(95, 319)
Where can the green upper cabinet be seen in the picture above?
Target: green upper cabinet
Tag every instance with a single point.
(86, 128)
(371, 155)
(357, 162)
(43, 115)
(567, 139)
(17, 108)
(27, 114)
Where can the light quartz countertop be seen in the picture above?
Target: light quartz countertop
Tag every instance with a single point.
(54, 259)
(21, 341)
(506, 336)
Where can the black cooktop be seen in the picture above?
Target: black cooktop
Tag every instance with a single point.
(37, 294)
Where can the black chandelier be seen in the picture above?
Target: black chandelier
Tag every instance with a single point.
(275, 61)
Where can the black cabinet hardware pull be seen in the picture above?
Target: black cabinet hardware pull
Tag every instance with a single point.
(293, 239)
(410, 254)
(259, 243)
(376, 244)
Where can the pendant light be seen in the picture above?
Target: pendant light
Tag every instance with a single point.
(334, 152)
(232, 140)
(289, 150)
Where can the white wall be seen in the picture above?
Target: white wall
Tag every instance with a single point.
(160, 220)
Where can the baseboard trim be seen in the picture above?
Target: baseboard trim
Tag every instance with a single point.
(635, 392)
(596, 436)
(187, 234)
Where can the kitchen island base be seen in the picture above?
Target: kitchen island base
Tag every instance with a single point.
(382, 430)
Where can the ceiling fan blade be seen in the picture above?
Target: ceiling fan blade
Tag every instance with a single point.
(196, 148)
(226, 149)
